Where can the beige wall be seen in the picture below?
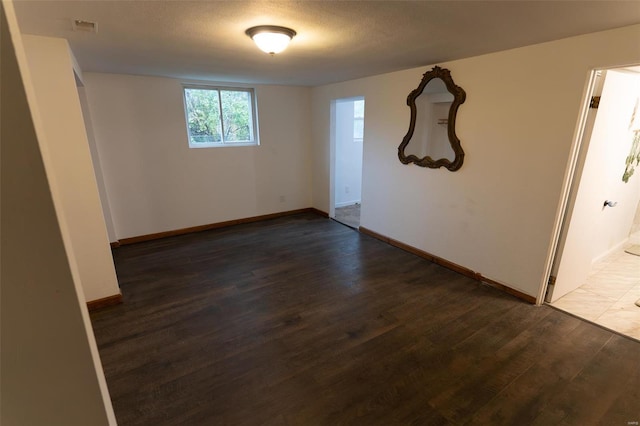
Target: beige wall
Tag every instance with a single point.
(156, 183)
(51, 372)
(51, 69)
(497, 214)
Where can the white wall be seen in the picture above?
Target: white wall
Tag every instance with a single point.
(156, 183)
(51, 68)
(497, 214)
(634, 234)
(348, 171)
(51, 373)
(97, 167)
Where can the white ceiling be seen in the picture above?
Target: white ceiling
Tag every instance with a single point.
(336, 41)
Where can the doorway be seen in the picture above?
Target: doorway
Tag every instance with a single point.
(347, 142)
(596, 278)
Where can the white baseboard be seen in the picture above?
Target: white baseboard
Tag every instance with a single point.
(347, 203)
(613, 249)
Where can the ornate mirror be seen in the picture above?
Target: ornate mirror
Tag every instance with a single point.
(431, 140)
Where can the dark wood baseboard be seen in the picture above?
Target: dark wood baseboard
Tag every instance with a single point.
(116, 299)
(507, 289)
(449, 265)
(158, 235)
(318, 212)
(114, 244)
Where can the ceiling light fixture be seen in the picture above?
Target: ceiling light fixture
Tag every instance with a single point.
(270, 38)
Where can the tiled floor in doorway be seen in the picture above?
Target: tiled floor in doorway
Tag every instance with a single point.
(609, 295)
(349, 215)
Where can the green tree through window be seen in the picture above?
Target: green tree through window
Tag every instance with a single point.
(218, 116)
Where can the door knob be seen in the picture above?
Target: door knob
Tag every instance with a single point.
(609, 203)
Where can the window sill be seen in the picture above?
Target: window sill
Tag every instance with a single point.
(222, 145)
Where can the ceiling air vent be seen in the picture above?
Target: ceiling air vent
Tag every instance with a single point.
(86, 26)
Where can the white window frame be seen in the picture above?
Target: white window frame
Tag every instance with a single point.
(254, 115)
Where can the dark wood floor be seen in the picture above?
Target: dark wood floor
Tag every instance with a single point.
(303, 321)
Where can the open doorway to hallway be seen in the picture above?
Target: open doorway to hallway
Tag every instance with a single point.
(597, 276)
(348, 138)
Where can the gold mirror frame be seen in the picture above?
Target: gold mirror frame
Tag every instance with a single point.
(459, 96)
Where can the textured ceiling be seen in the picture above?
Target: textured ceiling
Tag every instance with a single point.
(337, 40)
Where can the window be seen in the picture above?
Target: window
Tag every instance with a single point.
(220, 116)
(358, 120)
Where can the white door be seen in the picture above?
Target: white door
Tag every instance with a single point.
(595, 229)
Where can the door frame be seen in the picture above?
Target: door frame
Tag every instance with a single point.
(570, 183)
(572, 178)
(332, 150)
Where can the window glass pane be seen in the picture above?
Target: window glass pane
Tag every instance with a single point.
(358, 109)
(358, 128)
(358, 120)
(217, 116)
(236, 116)
(203, 115)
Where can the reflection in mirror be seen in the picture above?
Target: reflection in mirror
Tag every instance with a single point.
(431, 140)
(430, 132)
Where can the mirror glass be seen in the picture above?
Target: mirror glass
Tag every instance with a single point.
(431, 140)
(430, 133)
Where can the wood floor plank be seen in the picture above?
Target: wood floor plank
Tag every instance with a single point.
(605, 382)
(533, 391)
(302, 321)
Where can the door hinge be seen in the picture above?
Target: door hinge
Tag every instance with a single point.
(595, 102)
(550, 286)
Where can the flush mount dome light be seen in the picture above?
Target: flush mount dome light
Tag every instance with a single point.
(270, 38)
